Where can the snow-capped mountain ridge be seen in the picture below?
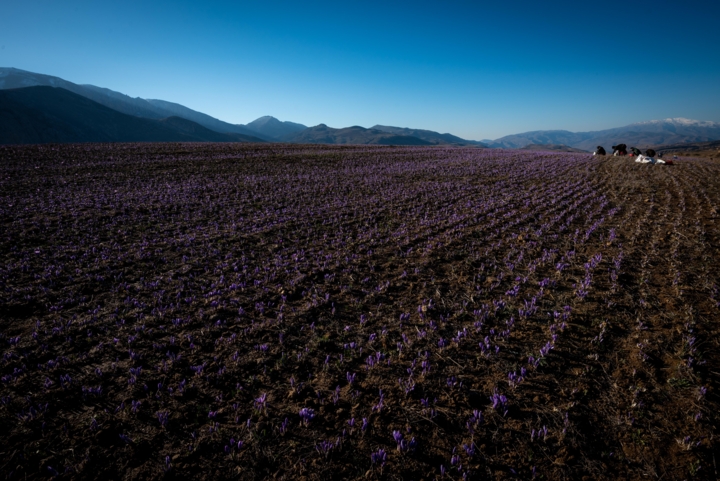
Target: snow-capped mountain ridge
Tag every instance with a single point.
(680, 121)
(642, 135)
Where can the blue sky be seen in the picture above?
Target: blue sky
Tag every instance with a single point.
(474, 69)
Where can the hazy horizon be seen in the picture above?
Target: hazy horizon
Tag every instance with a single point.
(478, 72)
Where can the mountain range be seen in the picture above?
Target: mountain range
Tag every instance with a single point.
(49, 114)
(322, 134)
(653, 133)
(434, 138)
(12, 78)
(36, 115)
(265, 128)
(274, 129)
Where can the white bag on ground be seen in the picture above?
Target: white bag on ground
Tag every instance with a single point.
(645, 160)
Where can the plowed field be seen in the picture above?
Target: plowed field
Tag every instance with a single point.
(218, 311)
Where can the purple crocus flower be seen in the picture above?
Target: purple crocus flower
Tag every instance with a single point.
(306, 414)
(261, 402)
(378, 457)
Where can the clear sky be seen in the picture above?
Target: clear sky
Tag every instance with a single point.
(474, 69)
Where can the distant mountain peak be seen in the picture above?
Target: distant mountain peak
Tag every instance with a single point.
(265, 119)
(275, 129)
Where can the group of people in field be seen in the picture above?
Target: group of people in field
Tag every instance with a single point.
(650, 156)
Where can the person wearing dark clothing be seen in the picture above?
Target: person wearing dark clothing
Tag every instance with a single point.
(619, 149)
(635, 151)
(600, 150)
(650, 153)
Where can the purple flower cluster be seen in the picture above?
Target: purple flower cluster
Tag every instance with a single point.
(189, 280)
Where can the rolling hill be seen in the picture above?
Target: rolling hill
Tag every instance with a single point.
(429, 136)
(171, 108)
(12, 78)
(322, 134)
(538, 137)
(552, 148)
(700, 149)
(272, 128)
(34, 115)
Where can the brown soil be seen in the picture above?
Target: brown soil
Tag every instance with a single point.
(713, 154)
(227, 287)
